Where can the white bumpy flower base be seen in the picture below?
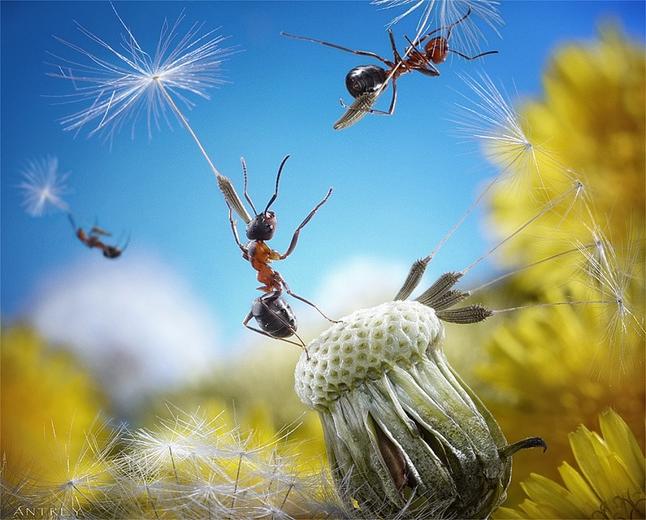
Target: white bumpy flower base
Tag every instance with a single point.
(405, 436)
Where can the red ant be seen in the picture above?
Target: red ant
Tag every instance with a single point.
(366, 81)
(272, 313)
(92, 239)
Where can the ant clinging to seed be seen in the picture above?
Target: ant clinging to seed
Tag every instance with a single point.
(92, 239)
(272, 313)
(366, 82)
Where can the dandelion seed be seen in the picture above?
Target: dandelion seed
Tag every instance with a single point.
(43, 186)
(173, 447)
(490, 119)
(440, 13)
(121, 84)
(612, 281)
(514, 272)
(86, 478)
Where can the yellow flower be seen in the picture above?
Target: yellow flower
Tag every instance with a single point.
(590, 124)
(549, 369)
(608, 484)
(50, 434)
(546, 375)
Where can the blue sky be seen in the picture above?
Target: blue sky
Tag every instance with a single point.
(399, 182)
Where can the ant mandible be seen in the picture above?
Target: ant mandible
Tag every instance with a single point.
(92, 239)
(272, 313)
(365, 82)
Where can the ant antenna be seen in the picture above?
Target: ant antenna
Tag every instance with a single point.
(280, 170)
(70, 217)
(451, 26)
(472, 57)
(244, 175)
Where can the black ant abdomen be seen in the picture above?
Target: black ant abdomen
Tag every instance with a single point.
(274, 315)
(364, 79)
(112, 252)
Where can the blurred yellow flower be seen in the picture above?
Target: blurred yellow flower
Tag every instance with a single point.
(50, 438)
(589, 125)
(609, 482)
(548, 369)
(546, 375)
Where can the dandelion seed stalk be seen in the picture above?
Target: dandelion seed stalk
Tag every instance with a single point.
(130, 80)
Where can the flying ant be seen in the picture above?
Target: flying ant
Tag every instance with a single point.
(93, 239)
(272, 313)
(366, 82)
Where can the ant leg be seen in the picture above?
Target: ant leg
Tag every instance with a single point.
(431, 70)
(339, 47)
(393, 101)
(289, 291)
(244, 176)
(412, 280)
(126, 243)
(473, 57)
(248, 317)
(449, 28)
(390, 111)
(234, 229)
(292, 244)
(396, 55)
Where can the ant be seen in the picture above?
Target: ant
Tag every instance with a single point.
(272, 313)
(366, 82)
(92, 239)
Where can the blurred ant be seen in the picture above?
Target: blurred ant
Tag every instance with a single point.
(365, 82)
(92, 239)
(272, 313)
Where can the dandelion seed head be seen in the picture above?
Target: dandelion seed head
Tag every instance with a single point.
(43, 186)
(434, 14)
(489, 118)
(120, 84)
(611, 279)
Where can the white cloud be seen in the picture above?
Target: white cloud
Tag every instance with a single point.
(134, 322)
(359, 282)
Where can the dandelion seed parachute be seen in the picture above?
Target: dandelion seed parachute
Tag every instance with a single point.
(43, 186)
(612, 282)
(440, 13)
(121, 85)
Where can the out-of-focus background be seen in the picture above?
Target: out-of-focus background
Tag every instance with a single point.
(84, 336)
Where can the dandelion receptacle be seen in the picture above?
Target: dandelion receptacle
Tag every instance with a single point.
(405, 436)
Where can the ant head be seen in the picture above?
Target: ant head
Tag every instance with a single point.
(437, 49)
(112, 252)
(262, 227)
